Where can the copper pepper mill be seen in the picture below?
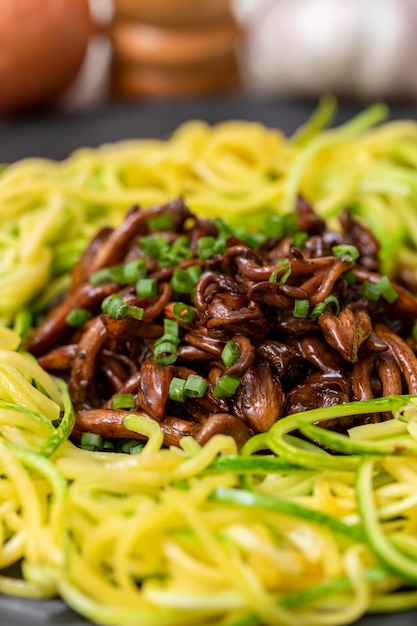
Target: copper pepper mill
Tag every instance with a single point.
(173, 48)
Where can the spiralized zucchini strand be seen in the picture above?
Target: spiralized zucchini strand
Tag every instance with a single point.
(207, 534)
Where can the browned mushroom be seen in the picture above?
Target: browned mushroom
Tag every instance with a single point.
(292, 358)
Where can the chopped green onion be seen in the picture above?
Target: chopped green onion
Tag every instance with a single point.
(171, 327)
(290, 222)
(117, 274)
(121, 274)
(181, 246)
(194, 272)
(177, 390)
(345, 252)
(168, 258)
(147, 287)
(253, 240)
(283, 266)
(91, 441)
(134, 270)
(195, 386)
(184, 313)
(386, 290)
(205, 247)
(301, 308)
(370, 291)
(299, 239)
(77, 317)
(101, 277)
(183, 280)
(165, 353)
(165, 348)
(322, 306)
(220, 245)
(223, 229)
(280, 225)
(167, 338)
(178, 251)
(350, 278)
(230, 353)
(132, 446)
(164, 221)
(226, 386)
(123, 401)
(275, 226)
(116, 307)
(209, 246)
(153, 246)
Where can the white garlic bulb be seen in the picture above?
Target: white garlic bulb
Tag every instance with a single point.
(359, 48)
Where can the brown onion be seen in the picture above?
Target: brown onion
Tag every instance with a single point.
(42, 46)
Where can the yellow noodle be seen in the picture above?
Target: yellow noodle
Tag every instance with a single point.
(138, 539)
(229, 169)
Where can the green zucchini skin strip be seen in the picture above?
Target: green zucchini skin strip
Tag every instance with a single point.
(277, 442)
(342, 443)
(252, 464)
(38, 462)
(62, 433)
(250, 499)
(377, 540)
(299, 599)
(4, 404)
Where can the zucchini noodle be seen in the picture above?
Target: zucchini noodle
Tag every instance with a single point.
(207, 534)
(236, 169)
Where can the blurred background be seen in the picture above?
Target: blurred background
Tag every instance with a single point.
(77, 54)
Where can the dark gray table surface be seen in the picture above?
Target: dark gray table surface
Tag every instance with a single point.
(56, 135)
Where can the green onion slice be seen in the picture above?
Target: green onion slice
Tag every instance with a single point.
(370, 291)
(91, 441)
(164, 221)
(386, 290)
(322, 306)
(345, 252)
(284, 269)
(121, 274)
(132, 446)
(171, 327)
(275, 226)
(301, 308)
(195, 386)
(134, 270)
(147, 287)
(153, 246)
(205, 247)
(77, 317)
(101, 277)
(183, 280)
(226, 386)
(299, 239)
(177, 390)
(165, 353)
(230, 353)
(184, 313)
(116, 307)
